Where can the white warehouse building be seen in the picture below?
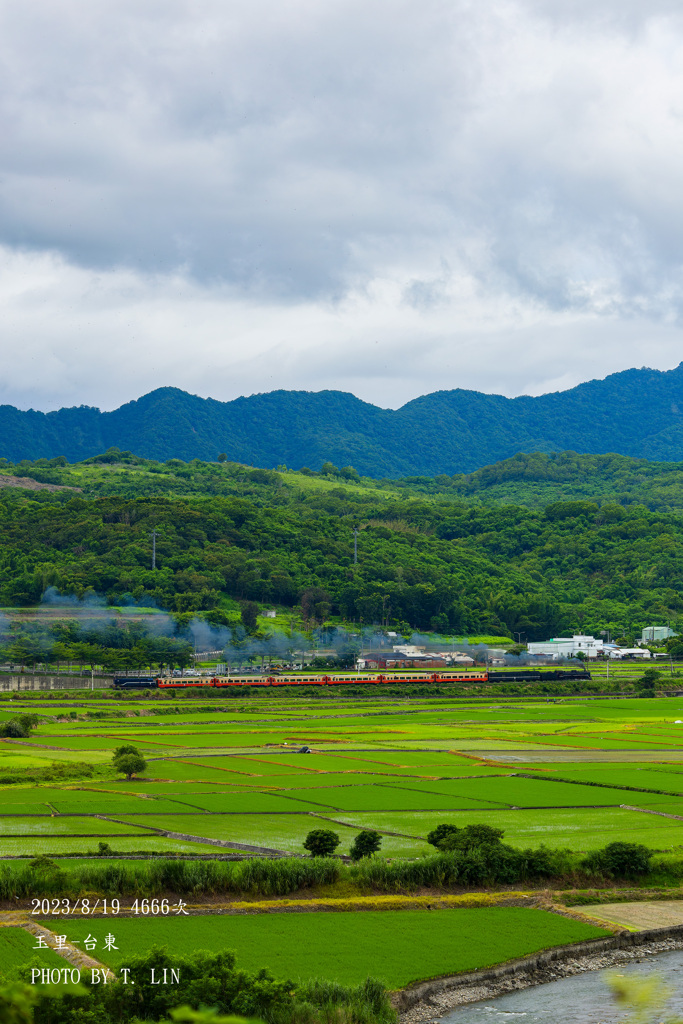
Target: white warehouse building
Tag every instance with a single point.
(567, 647)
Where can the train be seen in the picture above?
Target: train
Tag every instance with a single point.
(351, 679)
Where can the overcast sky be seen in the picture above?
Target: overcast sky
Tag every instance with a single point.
(388, 197)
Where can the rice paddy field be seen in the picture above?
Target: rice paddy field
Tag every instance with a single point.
(402, 946)
(571, 773)
(17, 948)
(239, 777)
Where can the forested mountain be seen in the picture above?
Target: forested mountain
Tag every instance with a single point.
(636, 412)
(440, 561)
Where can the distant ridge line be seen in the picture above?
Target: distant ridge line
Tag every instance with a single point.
(637, 412)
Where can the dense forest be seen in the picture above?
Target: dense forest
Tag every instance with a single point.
(444, 561)
(534, 480)
(636, 412)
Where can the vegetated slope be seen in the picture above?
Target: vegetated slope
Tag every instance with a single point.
(540, 478)
(422, 562)
(636, 412)
(535, 480)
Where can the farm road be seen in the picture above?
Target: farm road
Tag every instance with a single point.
(639, 916)
(75, 957)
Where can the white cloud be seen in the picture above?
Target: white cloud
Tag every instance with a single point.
(71, 335)
(387, 196)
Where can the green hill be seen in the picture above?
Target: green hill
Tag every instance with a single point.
(461, 559)
(534, 480)
(637, 413)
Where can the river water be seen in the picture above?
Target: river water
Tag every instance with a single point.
(581, 999)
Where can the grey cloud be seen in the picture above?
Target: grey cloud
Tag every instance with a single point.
(295, 154)
(387, 197)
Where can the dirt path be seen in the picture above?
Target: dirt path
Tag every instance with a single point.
(639, 916)
(648, 810)
(76, 957)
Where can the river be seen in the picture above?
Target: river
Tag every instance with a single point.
(581, 999)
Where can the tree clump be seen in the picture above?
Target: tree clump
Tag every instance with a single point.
(128, 760)
(438, 834)
(18, 727)
(249, 615)
(321, 842)
(619, 860)
(647, 682)
(471, 837)
(365, 844)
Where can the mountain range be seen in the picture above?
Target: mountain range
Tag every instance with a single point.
(637, 412)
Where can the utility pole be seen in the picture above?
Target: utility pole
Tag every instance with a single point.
(154, 536)
(355, 545)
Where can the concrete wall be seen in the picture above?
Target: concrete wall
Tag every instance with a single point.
(422, 991)
(26, 681)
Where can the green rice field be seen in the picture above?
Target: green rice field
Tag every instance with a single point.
(17, 948)
(401, 946)
(553, 773)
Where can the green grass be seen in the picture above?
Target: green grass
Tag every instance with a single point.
(182, 771)
(673, 806)
(278, 832)
(67, 802)
(520, 792)
(387, 798)
(81, 743)
(258, 765)
(280, 764)
(419, 759)
(235, 802)
(397, 947)
(17, 948)
(327, 780)
(394, 765)
(46, 826)
(8, 761)
(579, 829)
(642, 778)
(26, 808)
(144, 843)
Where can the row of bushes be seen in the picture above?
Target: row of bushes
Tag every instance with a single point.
(496, 864)
(58, 771)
